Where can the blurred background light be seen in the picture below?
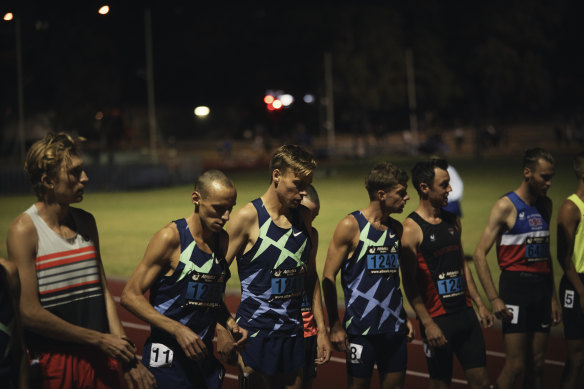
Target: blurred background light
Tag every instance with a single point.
(8, 16)
(104, 10)
(202, 111)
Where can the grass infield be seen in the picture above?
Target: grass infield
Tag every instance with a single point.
(127, 220)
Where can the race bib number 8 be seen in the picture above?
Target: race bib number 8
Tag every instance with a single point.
(354, 352)
(381, 261)
(160, 355)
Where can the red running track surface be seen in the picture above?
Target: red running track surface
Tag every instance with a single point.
(333, 375)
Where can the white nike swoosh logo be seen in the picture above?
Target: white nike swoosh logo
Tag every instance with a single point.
(391, 235)
(545, 325)
(297, 233)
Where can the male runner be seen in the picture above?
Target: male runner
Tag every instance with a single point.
(571, 257)
(526, 302)
(439, 284)
(272, 240)
(366, 248)
(185, 271)
(73, 330)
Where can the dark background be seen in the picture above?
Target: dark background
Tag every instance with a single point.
(476, 63)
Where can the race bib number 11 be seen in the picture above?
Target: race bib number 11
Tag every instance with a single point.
(160, 355)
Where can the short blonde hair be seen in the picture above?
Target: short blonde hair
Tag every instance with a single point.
(293, 157)
(47, 156)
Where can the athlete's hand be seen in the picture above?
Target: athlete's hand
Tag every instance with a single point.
(116, 347)
(239, 335)
(226, 345)
(556, 312)
(411, 331)
(339, 337)
(434, 335)
(192, 345)
(324, 348)
(137, 376)
(500, 310)
(486, 318)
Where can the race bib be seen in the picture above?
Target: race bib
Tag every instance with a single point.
(450, 284)
(537, 249)
(160, 355)
(287, 283)
(306, 305)
(514, 309)
(380, 260)
(205, 290)
(569, 299)
(354, 352)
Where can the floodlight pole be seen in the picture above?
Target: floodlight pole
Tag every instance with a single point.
(412, 94)
(150, 85)
(21, 137)
(330, 110)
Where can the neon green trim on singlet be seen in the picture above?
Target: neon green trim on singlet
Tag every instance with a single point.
(280, 244)
(368, 242)
(578, 254)
(185, 257)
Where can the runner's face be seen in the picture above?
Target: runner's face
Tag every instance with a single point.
(540, 177)
(313, 208)
(394, 200)
(291, 188)
(216, 207)
(438, 193)
(69, 185)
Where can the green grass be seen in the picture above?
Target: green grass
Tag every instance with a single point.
(127, 220)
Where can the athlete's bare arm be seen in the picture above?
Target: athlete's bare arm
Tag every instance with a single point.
(324, 347)
(568, 220)
(135, 374)
(343, 243)
(243, 231)
(485, 317)
(411, 240)
(22, 248)
(161, 257)
(397, 227)
(501, 219)
(555, 303)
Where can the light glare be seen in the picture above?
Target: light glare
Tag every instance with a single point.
(8, 16)
(308, 99)
(277, 104)
(104, 10)
(268, 99)
(202, 111)
(286, 99)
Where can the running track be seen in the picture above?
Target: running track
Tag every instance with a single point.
(333, 374)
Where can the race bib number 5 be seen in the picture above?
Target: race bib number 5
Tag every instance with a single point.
(160, 355)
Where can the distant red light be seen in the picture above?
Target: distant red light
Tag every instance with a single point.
(268, 99)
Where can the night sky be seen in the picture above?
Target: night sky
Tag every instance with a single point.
(473, 60)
